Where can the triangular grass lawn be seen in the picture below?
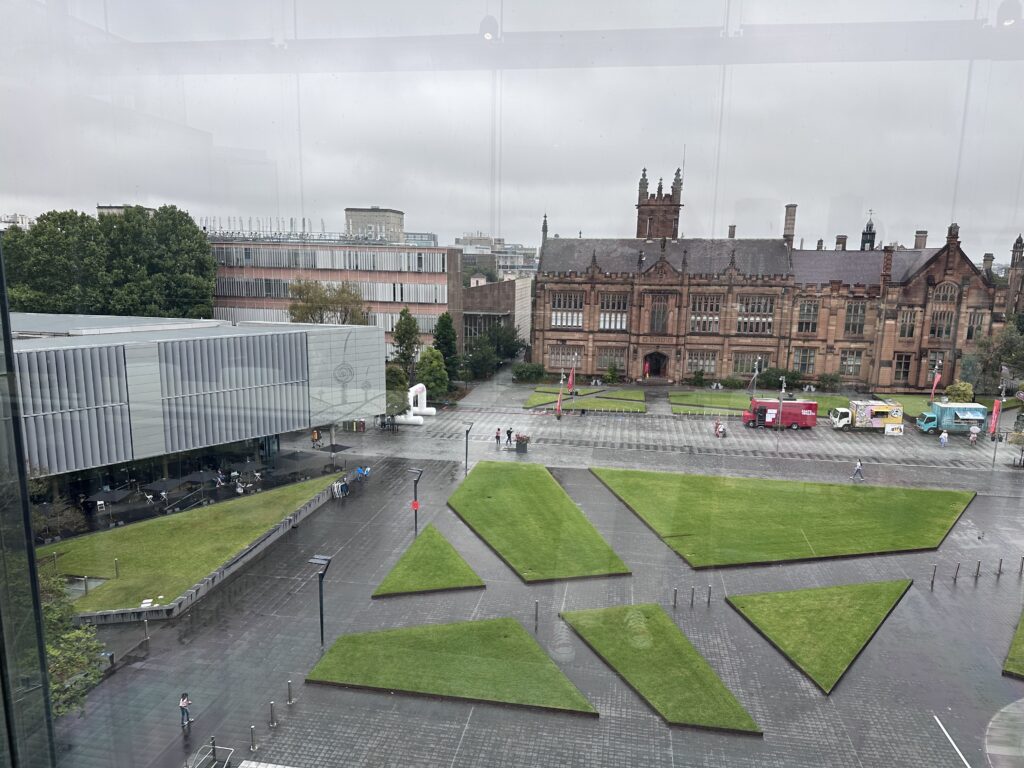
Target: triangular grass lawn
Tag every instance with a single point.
(493, 660)
(822, 630)
(714, 521)
(1014, 664)
(163, 557)
(528, 519)
(646, 648)
(430, 564)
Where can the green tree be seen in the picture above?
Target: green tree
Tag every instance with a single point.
(314, 302)
(446, 342)
(611, 376)
(53, 516)
(481, 359)
(960, 392)
(432, 374)
(983, 367)
(396, 390)
(73, 658)
(158, 263)
(407, 342)
(57, 265)
(505, 340)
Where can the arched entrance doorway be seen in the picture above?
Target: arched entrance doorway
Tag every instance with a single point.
(655, 364)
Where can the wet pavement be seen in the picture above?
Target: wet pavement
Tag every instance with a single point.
(934, 665)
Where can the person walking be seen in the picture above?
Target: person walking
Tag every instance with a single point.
(943, 439)
(183, 704)
(508, 436)
(497, 437)
(858, 472)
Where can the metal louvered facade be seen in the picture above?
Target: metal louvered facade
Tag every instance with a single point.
(149, 392)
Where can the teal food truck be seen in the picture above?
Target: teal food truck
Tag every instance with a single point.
(952, 417)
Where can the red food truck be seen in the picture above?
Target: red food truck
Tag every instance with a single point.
(796, 414)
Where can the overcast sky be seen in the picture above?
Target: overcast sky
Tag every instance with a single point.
(281, 109)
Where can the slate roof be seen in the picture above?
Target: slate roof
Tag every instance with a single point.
(850, 267)
(753, 257)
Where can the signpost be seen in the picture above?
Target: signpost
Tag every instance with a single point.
(415, 501)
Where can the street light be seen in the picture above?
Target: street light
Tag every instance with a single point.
(469, 426)
(325, 561)
(416, 500)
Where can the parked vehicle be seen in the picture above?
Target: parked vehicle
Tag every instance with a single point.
(952, 417)
(866, 414)
(796, 414)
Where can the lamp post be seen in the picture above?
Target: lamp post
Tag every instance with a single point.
(469, 426)
(416, 500)
(325, 562)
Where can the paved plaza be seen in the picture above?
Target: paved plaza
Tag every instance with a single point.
(932, 669)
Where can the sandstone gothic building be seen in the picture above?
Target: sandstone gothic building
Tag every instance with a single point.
(659, 306)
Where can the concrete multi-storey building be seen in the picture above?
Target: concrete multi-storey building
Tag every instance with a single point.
(375, 223)
(667, 307)
(510, 261)
(256, 269)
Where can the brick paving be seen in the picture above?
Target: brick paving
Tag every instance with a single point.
(939, 654)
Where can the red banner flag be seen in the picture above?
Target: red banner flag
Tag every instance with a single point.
(935, 384)
(647, 367)
(993, 425)
(572, 379)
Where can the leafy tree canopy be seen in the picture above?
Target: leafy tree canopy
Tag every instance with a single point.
(432, 374)
(155, 263)
(314, 302)
(446, 342)
(960, 392)
(983, 368)
(73, 658)
(407, 341)
(396, 385)
(481, 359)
(505, 340)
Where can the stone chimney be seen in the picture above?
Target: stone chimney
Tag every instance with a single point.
(886, 275)
(821, 244)
(840, 242)
(921, 239)
(789, 230)
(986, 264)
(732, 231)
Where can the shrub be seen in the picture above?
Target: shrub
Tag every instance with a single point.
(829, 382)
(528, 371)
(612, 376)
(731, 383)
(698, 378)
(960, 392)
(769, 378)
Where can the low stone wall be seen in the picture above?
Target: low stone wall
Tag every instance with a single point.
(207, 585)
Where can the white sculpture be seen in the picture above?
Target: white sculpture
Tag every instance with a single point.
(418, 407)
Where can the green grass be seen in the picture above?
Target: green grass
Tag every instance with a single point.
(533, 525)
(539, 398)
(493, 660)
(724, 398)
(637, 395)
(822, 630)
(429, 564)
(581, 391)
(598, 404)
(643, 645)
(730, 521)
(1014, 664)
(166, 556)
(913, 405)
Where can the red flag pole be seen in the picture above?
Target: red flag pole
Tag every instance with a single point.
(935, 385)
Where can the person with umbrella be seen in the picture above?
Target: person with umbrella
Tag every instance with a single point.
(975, 431)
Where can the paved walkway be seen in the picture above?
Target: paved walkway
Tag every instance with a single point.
(938, 655)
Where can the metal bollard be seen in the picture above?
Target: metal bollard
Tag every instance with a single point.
(999, 571)
(956, 572)
(934, 568)
(117, 569)
(213, 748)
(692, 591)
(290, 699)
(85, 582)
(536, 614)
(273, 722)
(252, 738)
(709, 594)
(145, 626)
(675, 597)
(977, 571)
